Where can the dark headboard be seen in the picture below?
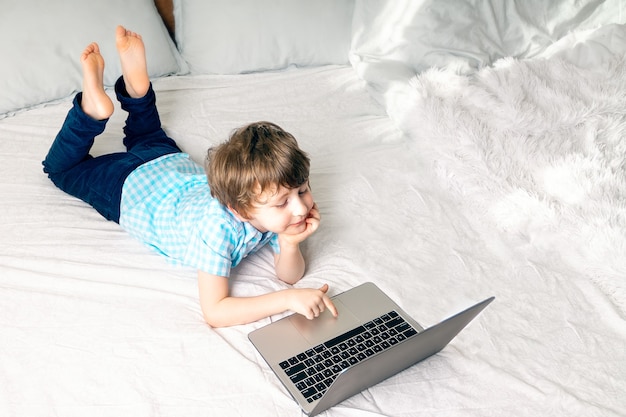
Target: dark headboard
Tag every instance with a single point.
(166, 10)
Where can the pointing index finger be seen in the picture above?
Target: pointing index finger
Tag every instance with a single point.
(331, 306)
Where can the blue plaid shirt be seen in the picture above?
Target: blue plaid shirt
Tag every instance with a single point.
(166, 203)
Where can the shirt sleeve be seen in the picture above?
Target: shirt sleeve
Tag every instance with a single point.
(273, 242)
(209, 249)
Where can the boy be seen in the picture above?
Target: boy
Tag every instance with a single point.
(257, 193)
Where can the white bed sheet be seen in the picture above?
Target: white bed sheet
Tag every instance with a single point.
(96, 324)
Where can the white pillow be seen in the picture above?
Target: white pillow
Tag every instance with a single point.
(591, 49)
(238, 36)
(42, 40)
(465, 35)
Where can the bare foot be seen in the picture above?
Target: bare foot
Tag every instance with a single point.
(95, 101)
(133, 58)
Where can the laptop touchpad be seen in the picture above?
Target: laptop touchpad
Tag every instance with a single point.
(325, 326)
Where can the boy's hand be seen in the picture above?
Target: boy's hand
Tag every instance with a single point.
(289, 263)
(311, 302)
(312, 224)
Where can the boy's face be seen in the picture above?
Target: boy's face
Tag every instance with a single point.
(282, 210)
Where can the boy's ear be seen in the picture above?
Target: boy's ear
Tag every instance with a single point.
(237, 215)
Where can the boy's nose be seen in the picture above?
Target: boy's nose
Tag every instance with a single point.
(298, 207)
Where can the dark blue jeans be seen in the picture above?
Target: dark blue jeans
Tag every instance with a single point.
(98, 181)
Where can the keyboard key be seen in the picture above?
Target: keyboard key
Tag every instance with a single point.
(393, 323)
(295, 369)
(410, 332)
(308, 392)
(403, 326)
(298, 377)
(320, 387)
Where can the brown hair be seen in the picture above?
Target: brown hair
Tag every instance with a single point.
(255, 158)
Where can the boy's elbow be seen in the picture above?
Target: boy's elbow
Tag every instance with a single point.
(290, 279)
(219, 317)
(290, 276)
(213, 320)
(210, 314)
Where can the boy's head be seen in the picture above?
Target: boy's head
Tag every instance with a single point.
(257, 158)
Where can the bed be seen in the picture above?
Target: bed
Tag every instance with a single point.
(459, 150)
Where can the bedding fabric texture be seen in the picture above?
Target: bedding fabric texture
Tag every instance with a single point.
(95, 323)
(395, 40)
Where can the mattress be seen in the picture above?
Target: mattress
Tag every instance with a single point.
(95, 323)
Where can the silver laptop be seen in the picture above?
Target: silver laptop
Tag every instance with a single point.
(323, 361)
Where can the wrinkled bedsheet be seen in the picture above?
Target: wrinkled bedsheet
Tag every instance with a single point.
(94, 323)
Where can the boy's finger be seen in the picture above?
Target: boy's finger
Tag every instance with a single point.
(331, 306)
(314, 225)
(314, 212)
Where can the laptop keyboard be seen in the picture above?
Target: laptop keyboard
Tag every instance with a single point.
(314, 370)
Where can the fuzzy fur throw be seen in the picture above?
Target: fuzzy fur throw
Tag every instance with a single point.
(536, 150)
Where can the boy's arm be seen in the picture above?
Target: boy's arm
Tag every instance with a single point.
(220, 309)
(289, 263)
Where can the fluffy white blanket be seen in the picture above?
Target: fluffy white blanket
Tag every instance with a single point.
(535, 148)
